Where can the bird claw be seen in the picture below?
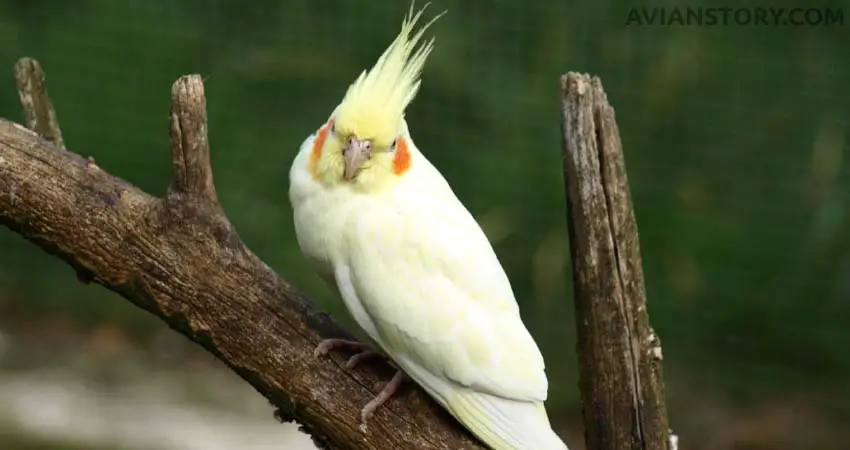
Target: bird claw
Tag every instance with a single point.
(360, 357)
(381, 385)
(328, 345)
(385, 390)
(385, 394)
(364, 351)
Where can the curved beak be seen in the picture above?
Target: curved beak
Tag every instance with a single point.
(354, 154)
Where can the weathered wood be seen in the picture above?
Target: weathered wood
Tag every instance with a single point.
(180, 259)
(622, 390)
(39, 111)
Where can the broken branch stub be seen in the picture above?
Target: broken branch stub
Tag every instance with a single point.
(190, 148)
(180, 259)
(38, 109)
(622, 390)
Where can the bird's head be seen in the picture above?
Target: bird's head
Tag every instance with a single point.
(365, 141)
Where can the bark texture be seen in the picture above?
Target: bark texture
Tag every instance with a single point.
(622, 390)
(180, 259)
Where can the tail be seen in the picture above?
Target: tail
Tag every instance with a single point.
(501, 423)
(504, 424)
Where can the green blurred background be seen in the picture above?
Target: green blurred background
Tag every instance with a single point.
(735, 140)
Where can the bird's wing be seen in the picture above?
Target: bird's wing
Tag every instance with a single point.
(429, 280)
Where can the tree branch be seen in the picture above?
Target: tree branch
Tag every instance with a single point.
(180, 259)
(41, 117)
(619, 354)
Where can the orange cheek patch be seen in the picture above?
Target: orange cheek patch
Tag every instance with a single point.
(318, 145)
(401, 162)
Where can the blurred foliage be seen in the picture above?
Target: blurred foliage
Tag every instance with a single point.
(735, 140)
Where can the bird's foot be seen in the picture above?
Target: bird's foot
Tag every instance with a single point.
(385, 393)
(385, 390)
(364, 351)
(381, 385)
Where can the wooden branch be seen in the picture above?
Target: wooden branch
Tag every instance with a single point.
(622, 390)
(41, 116)
(180, 259)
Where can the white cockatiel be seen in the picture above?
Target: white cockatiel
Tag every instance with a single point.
(411, 264)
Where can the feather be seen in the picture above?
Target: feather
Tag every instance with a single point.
(412, 265)
(374, 104)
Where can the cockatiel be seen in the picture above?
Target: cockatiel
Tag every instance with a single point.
(413, 267)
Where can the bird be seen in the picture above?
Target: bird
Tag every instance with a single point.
(378, 221)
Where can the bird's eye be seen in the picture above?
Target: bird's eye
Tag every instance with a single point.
(392, 146)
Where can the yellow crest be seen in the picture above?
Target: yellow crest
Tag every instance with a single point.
(374, 104)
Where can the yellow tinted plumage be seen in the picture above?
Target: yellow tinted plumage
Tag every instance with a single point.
(374, 105)
(411, 264)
